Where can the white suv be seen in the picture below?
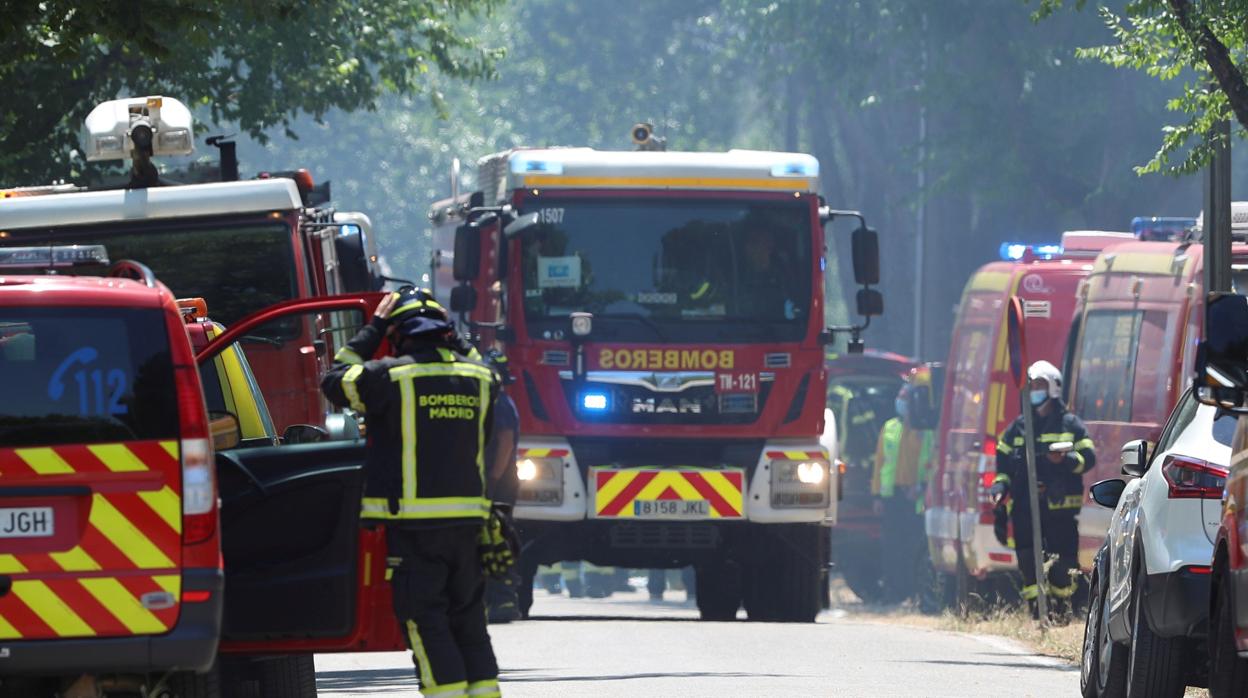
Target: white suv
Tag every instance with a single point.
(1149, 609)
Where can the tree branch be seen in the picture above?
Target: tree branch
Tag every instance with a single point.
(1228, 75)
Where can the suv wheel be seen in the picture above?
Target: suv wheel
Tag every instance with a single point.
(290, 676)
(188, 684)
(1228, 674)
(1103, 669)
(1156, 666)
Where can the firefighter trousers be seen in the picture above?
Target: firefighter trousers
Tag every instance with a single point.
(439, 591)
(1059, 530)
(901, 532)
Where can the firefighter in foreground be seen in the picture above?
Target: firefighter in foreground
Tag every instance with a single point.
(902, 457)
(1064, 452)
(430, 410)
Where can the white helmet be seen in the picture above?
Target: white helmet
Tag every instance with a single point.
(1049, 373)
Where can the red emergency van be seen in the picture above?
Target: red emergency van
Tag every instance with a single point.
(110, 553)
(1132, 345)
(980, 399)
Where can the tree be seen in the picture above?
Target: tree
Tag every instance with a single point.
(1170, 39)
(256, 65)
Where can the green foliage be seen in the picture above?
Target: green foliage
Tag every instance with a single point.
(1180, 41)
(256, 64)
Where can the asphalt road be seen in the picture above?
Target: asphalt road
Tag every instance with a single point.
(626, 646)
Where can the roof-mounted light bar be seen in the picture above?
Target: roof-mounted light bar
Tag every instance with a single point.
(1018, 251)
(1161, 228)
(53, 256)
(523, 165)
(115, 128)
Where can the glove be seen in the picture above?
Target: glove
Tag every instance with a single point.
(497, 543)
(1001, 523)
(998, 492)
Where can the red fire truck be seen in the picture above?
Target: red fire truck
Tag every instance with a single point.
(980, 399)
(240, 245)
(663, 313)
(267, 251)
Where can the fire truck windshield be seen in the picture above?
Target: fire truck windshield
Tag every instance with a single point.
(236, 268)
(670, 270)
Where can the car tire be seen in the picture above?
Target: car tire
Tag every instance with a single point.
(783, 584)
(288, 676)
(1228, 673)
(1156, 666)
(188, 684)
(718, 589)
(936, 590)
(1103, 667)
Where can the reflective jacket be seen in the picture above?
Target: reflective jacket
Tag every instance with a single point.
(902, 457)
(430, 413)
(1063, 481)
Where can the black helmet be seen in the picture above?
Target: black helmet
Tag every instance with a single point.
(418, 312)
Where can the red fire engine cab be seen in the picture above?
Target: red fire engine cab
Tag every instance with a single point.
(663, 314)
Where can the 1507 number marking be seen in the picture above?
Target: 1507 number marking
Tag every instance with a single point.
(550, 215)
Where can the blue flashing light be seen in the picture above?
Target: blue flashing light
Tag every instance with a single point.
(1015, 251)
(800, 168)
(348, 230)
(524, 166)
(1012, 251)
(594, 402)
(1161, 227)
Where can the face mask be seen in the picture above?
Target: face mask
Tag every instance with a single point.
(900, 406)
(1038, 397)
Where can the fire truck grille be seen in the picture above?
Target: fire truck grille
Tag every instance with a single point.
(636, 404)
(664, 535)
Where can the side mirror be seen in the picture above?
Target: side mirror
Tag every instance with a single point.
(520, 225)
(467, 264)
(1222, 358)
(463, 299)
(1134, 457)
(304, 434)
(1108, 492)
(225, 431)
(870, 302)
(866, 252)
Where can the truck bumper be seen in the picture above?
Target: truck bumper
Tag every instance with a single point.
(1177, 603)
(190, 646)
(648, 544)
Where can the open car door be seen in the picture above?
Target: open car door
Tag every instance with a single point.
(290, 513)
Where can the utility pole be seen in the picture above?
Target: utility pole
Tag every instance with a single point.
(921, 182)
(1217, 220)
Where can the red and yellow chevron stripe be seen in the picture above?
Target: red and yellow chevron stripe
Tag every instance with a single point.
(798, 455)
(542, 453)
(113, 566)
(615, 490)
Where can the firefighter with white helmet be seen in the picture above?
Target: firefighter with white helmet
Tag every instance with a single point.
(1064, 453)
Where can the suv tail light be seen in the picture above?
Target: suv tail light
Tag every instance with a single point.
(1190, 478)
(199, 486)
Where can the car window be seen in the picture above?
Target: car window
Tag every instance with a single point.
(86, 375)
(288, 354)
(969, 377)
(1119, 375)
(1182, 416)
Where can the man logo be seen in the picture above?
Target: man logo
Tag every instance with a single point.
(648, 405)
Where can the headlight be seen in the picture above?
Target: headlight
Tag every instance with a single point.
(799, 483)
(810, 473)
(541, 481)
